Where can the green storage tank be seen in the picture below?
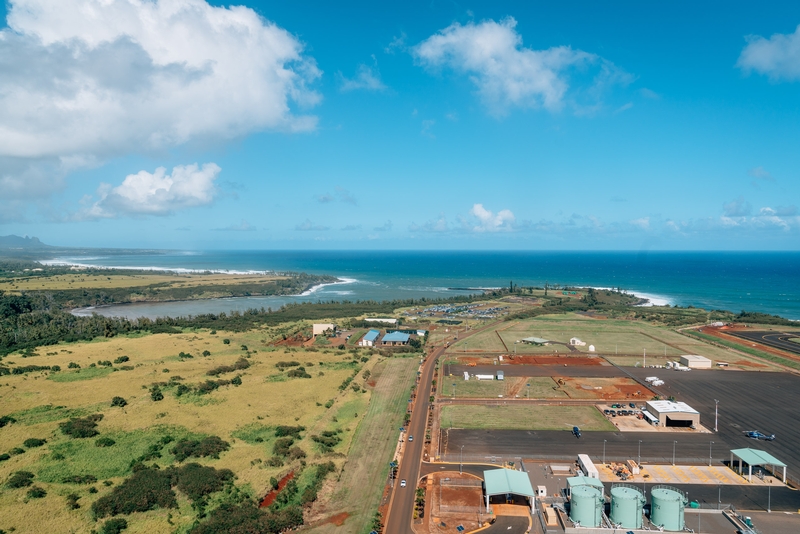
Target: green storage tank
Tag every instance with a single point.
(627, 506)
(586, 506)
(667, 505)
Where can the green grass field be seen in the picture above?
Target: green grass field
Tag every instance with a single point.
(360, 485)
(519, 417)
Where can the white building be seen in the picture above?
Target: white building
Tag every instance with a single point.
(575, 342)
(671, 413)
(321, 328)
(696, 362)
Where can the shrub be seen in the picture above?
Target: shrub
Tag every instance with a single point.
(274, 461)
(79, 479)
(81, 427)
(210, 446)
(20, 479)
(73, 365)
(206, 353)
(327, 439)
(240, 364)
(5, 456)
(296, 453)
(6, 420)
(34, 442)
(185, 355)
(72, 501)
(55, 369)
(119, 401)
(104, 442)
(283, 365)
(236, 380)
(104, 363)
(197, 481)
(226, 341)
(300, 372)
(282, 445)
(144, 490)
(286, 430)
(114, 526)
(156, 394)
(122, 359)
(36, 493)
(15, 451)
(246, 517)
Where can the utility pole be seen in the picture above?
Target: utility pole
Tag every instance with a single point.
(645, 358)
(709, 453)
(604, 452)
(716, 414)
(639, 459)
(461, 464)
(673, 452)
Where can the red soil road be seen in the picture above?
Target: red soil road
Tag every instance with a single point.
(337, 519)
(269, 498)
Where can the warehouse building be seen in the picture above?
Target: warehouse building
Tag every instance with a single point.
(673, 414)
(696, 362)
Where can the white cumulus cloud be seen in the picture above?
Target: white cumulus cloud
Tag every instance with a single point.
(156, 193)
(489, 221)
(85, 80)
(506, 73)
(777, 57)
(366, 78)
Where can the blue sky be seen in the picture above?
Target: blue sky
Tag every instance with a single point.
(417, 125)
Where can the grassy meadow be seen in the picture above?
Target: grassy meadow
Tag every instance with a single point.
(519, 417)
(246, 416)
(112, 280)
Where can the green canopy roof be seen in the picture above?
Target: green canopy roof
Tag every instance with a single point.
(757, 457)
(503, 481)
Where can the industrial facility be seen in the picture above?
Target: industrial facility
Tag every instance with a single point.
(673, 414)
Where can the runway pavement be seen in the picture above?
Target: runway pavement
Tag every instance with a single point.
(771, 339)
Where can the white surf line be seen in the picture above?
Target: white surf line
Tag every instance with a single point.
(317, 287)
(66, 262)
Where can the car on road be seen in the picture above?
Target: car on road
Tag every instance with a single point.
(403, 483)
(410, 438)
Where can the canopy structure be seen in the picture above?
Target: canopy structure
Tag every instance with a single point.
(756, 457)
(536, 341)
(505, 482)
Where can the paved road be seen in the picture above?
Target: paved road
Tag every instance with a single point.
(401, 505)
(771, 339)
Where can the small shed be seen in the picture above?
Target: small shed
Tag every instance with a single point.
(575, 342)
(755, 457)
(507, 482)
(369, 338)
(694, 361)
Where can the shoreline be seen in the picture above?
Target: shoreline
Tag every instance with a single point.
(58, 262)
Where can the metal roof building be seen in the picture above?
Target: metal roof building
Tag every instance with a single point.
(507, 482)
(756, 457)
(396, 338)
(671, 413)
(696, 362)
(369, 338)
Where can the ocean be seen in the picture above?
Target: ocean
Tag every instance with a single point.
(767, 282)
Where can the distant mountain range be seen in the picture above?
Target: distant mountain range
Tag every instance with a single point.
(15, 242)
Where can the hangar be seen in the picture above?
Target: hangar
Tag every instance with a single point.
(670, 413)
(694, 361)
(507, 482)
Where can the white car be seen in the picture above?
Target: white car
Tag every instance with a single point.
(403, 483)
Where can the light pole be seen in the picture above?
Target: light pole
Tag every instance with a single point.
(454, 390)
(604, 452)
(461, 463)
(639, 460)
(528, 394)
(645, 358)
(673, 452)
(769, 498)
(719, 496)
(716, 414)
(709, 453)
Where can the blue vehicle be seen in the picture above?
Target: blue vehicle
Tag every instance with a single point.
(755, 434)
(576, 432)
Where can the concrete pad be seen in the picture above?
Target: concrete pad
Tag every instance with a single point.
(686, 474)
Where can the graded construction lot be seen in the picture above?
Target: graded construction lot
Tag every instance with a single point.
(747, 401)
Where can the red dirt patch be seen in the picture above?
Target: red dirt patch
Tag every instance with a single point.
(337, 519)
(269, 498)
(460, 496)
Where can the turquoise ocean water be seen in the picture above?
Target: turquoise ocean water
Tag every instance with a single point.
(767, 282)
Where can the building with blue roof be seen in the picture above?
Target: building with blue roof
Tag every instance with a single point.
(396, 338)
(369, 338)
